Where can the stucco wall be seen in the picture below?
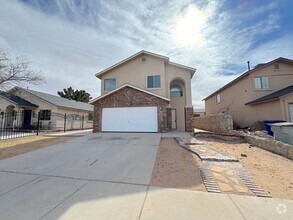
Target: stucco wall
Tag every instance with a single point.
(135, 72)
(234, 97)
(173, 73)
(4, 103)
(216, 123)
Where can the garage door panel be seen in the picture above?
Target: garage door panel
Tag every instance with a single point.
(130, 119)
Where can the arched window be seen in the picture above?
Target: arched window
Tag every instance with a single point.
(176, 91)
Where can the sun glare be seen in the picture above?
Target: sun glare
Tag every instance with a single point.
(189, 26)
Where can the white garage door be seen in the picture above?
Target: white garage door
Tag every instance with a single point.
(130, 119)
(291, 112)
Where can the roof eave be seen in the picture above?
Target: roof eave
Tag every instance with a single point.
(131, 86)
(260, 102)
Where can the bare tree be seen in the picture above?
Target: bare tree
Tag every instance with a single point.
(16, 70)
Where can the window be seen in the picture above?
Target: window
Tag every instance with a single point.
(45, 114)
(277, 67)
(154, 81)
(261, 82)
(176, 91)
(218, 98)
(109, 84)
(90, 116)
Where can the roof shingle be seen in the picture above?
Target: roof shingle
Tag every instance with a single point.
(272, 96)
(18, 101)
(59, 101)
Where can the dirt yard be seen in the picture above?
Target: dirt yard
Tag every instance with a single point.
(17, 146)
(176, 167)
(272, 172)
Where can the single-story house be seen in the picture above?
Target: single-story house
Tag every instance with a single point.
(25, 105)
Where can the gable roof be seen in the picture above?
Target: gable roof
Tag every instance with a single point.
(16, 100)
(272, 96)
(257, 67)
(166, 59)
(58, 101)
(131, 86)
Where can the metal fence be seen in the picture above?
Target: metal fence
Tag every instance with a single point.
(27, 122)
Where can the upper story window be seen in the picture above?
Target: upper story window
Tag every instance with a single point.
(261, 82)
(45, 115)
(176, 91)
(218, 98)
(277, 67)
(109, 84)
(154, 81)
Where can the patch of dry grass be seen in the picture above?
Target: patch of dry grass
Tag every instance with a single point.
(21, 140)
(14, 147)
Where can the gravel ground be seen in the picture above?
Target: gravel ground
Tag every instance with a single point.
(176, 167)
(272, 172)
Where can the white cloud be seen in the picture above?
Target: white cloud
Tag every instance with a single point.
(70, 42)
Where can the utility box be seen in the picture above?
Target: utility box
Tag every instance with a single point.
(283, 132)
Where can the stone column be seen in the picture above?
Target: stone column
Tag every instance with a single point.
(189, 119)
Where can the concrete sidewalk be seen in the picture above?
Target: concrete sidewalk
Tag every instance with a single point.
(162, 203)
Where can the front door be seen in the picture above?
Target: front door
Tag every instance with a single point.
(174, 118)
(27, 119)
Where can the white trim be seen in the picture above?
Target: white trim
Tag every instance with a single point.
(104, 84)
(148, 53)
(182, 66)
(127, 85)
(153, 88)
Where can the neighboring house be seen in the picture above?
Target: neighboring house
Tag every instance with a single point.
(199, 112)
(144, 93)
(263, 93)
(28, 103)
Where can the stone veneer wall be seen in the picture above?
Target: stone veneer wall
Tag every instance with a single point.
(215, 123)
(277, 147)
(189, 119)
(130, 97)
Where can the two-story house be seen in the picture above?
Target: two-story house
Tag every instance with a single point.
(263, 93)
(144, 93)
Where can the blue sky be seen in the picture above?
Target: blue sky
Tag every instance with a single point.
(71, 40)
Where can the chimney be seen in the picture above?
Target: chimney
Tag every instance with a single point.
(248, 65)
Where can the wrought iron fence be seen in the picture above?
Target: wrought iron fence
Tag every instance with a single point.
(28, 122)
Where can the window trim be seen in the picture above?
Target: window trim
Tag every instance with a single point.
(261, 89)
(218, 95)
(153, 88)
(45, 118)
(90, 118)
(104, 80)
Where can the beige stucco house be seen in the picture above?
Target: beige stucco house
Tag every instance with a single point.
(144, 93)
(25, 104)
(263, 93)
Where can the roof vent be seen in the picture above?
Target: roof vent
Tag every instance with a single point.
(143, 60)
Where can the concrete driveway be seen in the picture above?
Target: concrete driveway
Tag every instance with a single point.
(107, 176)
(98, 168)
